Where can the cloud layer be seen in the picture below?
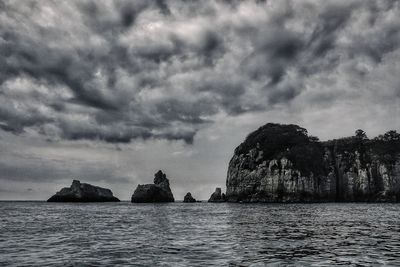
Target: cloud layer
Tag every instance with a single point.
(121, 70)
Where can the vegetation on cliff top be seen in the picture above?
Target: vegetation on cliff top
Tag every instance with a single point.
(307, 152)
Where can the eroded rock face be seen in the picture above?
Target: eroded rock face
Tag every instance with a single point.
(281, 163)
(217, 196)
(157, 192)
(188, 198)
(81, 192)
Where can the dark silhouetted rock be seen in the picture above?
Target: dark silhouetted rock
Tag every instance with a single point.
(282, 163)
(188, 198)
(157, 192)
(81, 192)
(217, 196)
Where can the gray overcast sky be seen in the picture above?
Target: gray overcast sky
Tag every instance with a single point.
(109, 92)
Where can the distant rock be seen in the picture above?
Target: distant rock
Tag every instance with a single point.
(81, 192)
(157, 192)
(217, 196)
(188, 198)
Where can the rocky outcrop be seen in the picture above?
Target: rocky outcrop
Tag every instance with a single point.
(157, 192)
(217, 196)
(188, 198)
(81, 192)
(282, 163)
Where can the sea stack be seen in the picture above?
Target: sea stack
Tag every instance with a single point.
(81, 192)
(282, 163)
(188, 198)
(217, 196)
(152, 193)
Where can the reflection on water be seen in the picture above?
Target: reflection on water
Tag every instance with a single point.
(198, 234)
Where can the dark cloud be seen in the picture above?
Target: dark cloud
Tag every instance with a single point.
(115, 71)
(163, 6)
(331, 19)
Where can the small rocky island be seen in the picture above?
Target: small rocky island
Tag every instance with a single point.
(152, 193)
(188, 198)
(81, 192)
(217, 196)
(282, 163)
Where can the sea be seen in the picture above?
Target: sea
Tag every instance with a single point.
(199, 234)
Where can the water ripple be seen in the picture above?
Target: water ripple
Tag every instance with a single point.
(198, 234)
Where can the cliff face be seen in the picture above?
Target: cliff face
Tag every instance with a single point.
(81, 192)
(281, 163)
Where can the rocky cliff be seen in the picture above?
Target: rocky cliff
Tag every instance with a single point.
(282, 163)
(157, 192)
(81, 192)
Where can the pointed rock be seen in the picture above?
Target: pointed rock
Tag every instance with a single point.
(188, 198)
(217, 196)
(157, 192)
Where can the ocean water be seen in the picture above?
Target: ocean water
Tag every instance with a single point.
(199, 234)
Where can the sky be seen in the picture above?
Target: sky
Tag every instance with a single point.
(109, 92)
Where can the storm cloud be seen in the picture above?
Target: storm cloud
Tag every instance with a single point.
(123, 72)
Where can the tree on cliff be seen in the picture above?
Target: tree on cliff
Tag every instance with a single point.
(272, 137)
(387, 146)
(290, 141)
(391, 135)
(360, 134)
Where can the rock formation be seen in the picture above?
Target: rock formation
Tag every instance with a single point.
(81, 192)
(217, 196)
(188, 198)
(282, 163)
(157, 192)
